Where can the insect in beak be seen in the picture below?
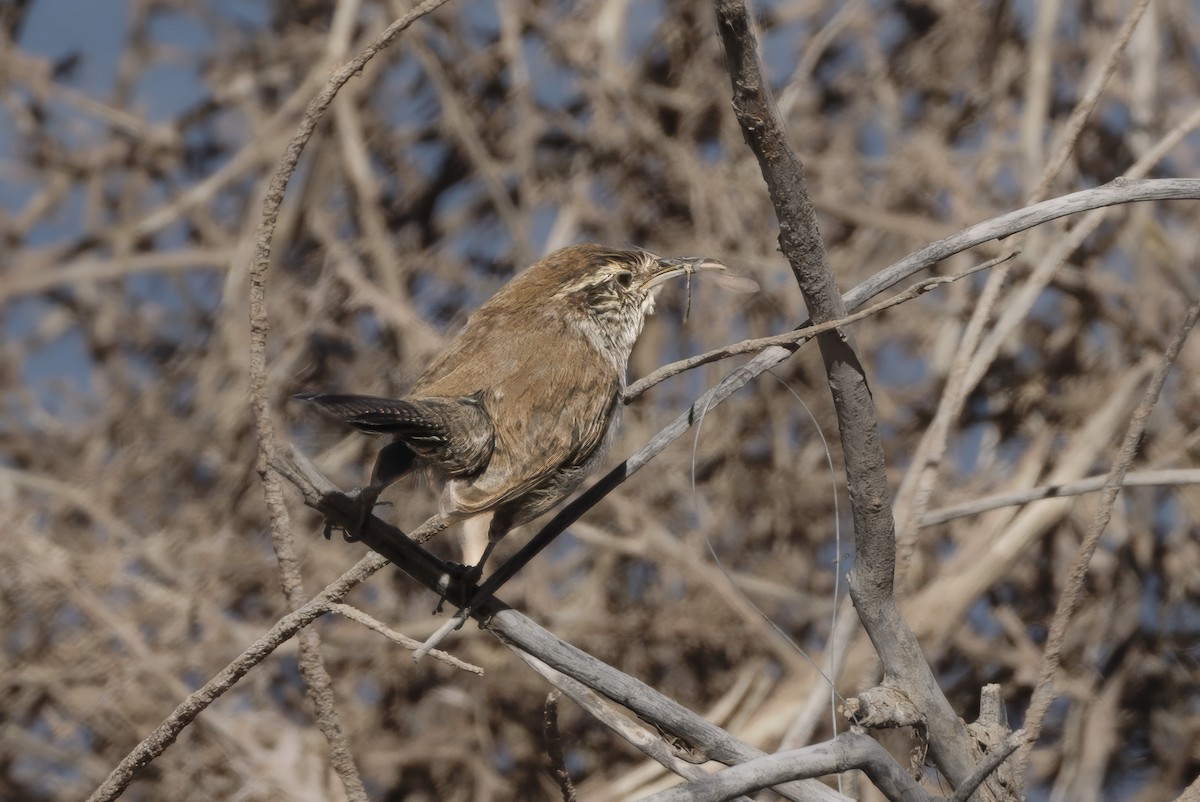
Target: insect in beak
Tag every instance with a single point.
(669, 267)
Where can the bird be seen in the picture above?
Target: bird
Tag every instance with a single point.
(525, 401)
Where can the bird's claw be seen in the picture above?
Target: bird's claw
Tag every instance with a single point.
(468, 577)
(346, 533)
(364, 509)
(465, 573)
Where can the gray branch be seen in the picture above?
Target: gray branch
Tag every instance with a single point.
(872, 577)
(704, 737)
(850, 750)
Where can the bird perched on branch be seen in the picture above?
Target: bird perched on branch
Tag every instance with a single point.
(526, 400)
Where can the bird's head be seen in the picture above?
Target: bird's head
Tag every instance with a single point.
(611, 291)
(605, 293)
(608, 283)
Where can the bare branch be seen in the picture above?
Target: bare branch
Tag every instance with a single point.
(641, 738)
(165, 734)
(795, 338)
(1165, 478)
(1044, 693)
(554, 751)
(871, 581)
(358, 616)
(312, 666)
(850, 750)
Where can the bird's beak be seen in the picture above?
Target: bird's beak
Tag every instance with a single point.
(665, 268)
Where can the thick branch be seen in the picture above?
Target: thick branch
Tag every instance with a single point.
(850, 750)
(515, 629)
(871, 582)
(652, 744)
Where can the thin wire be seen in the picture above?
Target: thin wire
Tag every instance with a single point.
(837, 554)
(834, 695)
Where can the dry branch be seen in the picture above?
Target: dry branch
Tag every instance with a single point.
(518, 631)
(871, 580)
(1044, 693)
(848, 751)
(134, 156)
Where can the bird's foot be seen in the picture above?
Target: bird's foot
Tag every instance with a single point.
(468, 577)
(365, 500)
(470, 574)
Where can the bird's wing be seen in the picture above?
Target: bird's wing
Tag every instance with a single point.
(545, 441)
(551, 401)
(455, 434)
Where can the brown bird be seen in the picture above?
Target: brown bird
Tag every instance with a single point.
(526, 401)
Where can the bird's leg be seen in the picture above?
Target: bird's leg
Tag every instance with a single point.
(468, 576)
(364, 502)
(393, 461)
(474, 573)
(473, 538)
(501, 522)
(457, 571)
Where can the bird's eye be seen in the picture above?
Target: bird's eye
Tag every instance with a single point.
(624, 278)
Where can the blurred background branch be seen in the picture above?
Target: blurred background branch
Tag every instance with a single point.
(136, 143)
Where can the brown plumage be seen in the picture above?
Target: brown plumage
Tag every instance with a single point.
(526, 400)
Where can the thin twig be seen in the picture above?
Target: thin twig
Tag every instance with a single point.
(1044, 693)
(165, 734)
(802, 335)
(312, 667)
(359, 617)
(1178, 477)
(1087, 103)
(554, 751)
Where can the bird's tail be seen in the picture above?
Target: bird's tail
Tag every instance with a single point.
(453, 433)
(378, 415)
